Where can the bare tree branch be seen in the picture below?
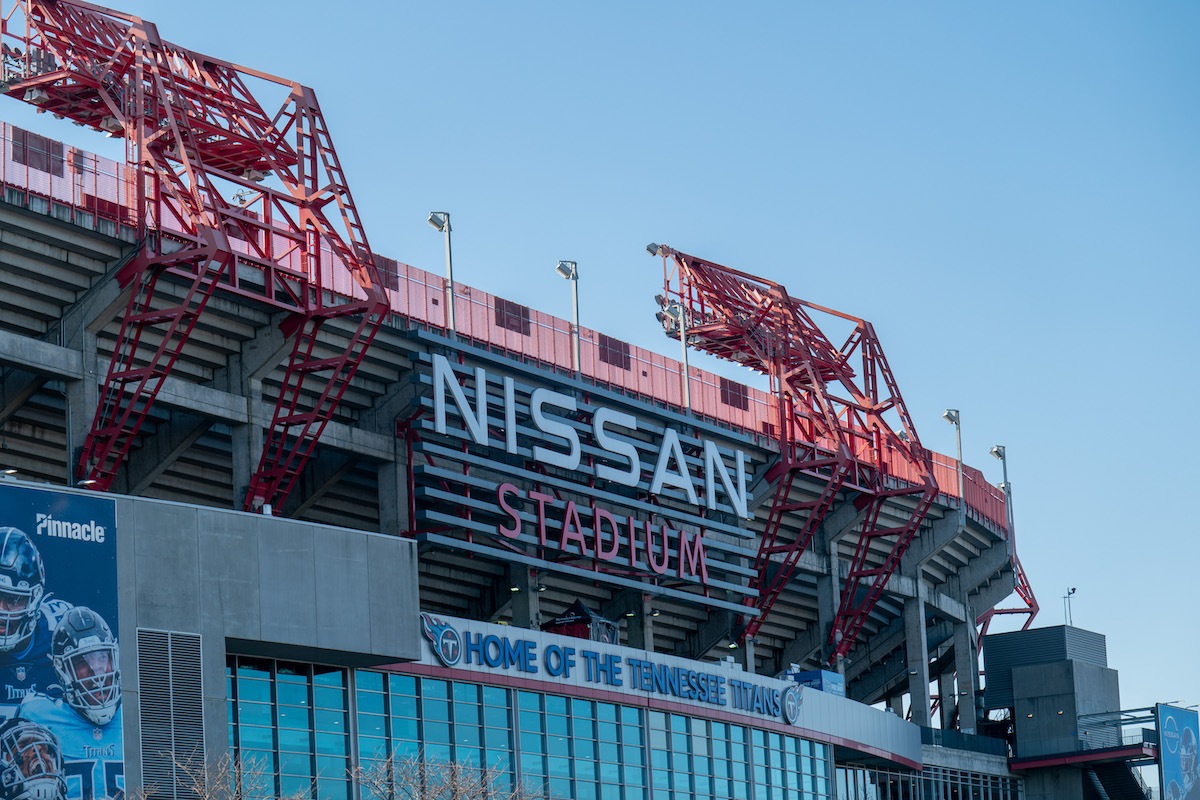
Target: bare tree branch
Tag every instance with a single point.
(424, 777)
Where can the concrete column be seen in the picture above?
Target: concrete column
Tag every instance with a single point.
(639, 629)
(966, 667)
(394, 517)
(745, 655)
(83, 398)
(946, 700)
(915, 643)
(896, 704)
(526, 601)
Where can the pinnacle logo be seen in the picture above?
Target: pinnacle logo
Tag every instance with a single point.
(446, 642)
(81, 531)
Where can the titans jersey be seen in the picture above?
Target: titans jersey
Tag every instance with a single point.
(28, 670)
(93, 755)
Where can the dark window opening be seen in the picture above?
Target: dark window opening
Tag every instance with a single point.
(37, 152)
(512, 316)
(389, 272)
(614, 351)
(735, 395)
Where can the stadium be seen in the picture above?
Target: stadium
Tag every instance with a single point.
(339, 510)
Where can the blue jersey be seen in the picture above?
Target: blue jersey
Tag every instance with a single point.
(28, 670)
(93, 755)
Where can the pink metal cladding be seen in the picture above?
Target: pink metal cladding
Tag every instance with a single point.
(831, 426)
(197, 144)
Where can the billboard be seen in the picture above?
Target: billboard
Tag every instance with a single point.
(1177, 768)
(60, 695)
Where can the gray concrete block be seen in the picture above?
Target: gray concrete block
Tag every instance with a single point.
(341, 589)
(287, 582)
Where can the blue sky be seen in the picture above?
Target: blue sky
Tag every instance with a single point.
(1008, 191)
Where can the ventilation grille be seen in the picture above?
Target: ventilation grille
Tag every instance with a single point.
(172, 715)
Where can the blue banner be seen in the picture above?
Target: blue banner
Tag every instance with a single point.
(59, 660)
(1177, 729)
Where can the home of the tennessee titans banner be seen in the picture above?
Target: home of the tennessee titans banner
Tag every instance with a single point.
(60, 692)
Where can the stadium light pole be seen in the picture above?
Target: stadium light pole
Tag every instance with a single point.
(999, 452)
(570, 271)
(440, 221)
(675, 311)
(952, 416)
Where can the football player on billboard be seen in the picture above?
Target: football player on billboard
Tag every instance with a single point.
(31, 765)
(27, 620)
(87, 716)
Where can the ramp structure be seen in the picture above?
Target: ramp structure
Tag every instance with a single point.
(226, 196)
(840, 421)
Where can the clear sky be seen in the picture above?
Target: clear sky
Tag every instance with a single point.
(1009, 191)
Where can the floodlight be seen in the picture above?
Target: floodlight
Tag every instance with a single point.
(653, 249)
(439, 220)
(998, 451)
(950, 415)
(111, 124)
(36, 95)
(568, 270)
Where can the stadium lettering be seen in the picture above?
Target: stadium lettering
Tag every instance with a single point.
(620, 462)
(666, 550)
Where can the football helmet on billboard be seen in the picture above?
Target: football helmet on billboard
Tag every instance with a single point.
(85, 656)
(31, 765)
(1188, 759)
(22, 585)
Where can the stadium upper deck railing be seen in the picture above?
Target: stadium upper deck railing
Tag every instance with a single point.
(47, 177)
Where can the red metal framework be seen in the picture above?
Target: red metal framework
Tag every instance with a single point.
(833, 427)
(1024, 593)
(199, 144)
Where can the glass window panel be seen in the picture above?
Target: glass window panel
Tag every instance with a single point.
(608, 731)
(407, 748)
(584, 728)
(468, 755)
(331, 743)
(721, 787)
(333, 790)
(741, 790)
(658, 739)
(257, 738)
(499, 760)
(328, 676)
(402, 684)
(585, 790)
(560, 767)
(720, 768)
(256, 691)
(254, 714)
(259, 667)
(466, 692)
(495, 696)
(295, 741)
(606, 712)
(295, 763)
(609, 751)
(661, 778)
(683, 781)
(582, 709)
(533, 742)
(634, 754)
(631, 715)
(497, 737)
(679, 723)
(372, 725)
(533, 763)
(634, 776)
(330, 720)
(631, 734)
(660, 759)
(681, 762)
(556, 725)
(437, 731)
(292, 785)
(371, 702)
(585, 748)
(737, 733)
(403, 706)
(556, 705)
(367, 680)
(372, 748)
(529, 701)
(466, 713)
(496, 717)
(703, 784)
(560, 787)
(329, 697)
(438, 710)
(404, 728)
(558, 745)
(531, 721)
(610, 773)
(585, 769)
(331, 767)
(658, 720)
(466, 735)
(635, 793)
(293, 717)
(437, 751)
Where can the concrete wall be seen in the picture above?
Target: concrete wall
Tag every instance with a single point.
(1049, 698)
(257, 585)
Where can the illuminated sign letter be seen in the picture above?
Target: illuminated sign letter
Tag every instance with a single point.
(625, 477)
(554, 428)
(714, 464)
(476, 419)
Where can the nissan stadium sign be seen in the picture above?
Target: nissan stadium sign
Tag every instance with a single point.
(543, 473)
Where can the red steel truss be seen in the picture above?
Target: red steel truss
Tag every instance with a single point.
(832, 427)
(200, 144)
(1024, 593)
